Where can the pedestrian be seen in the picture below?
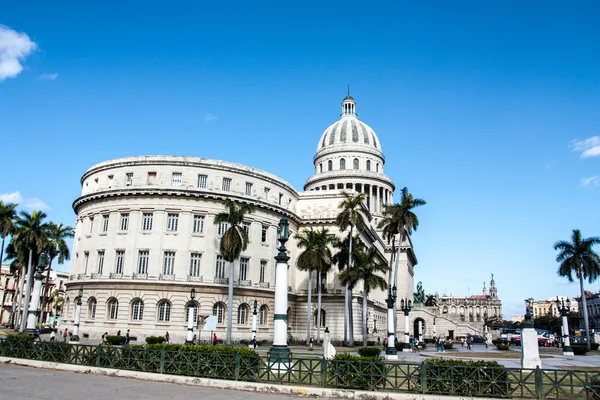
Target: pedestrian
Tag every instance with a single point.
(194, 339)
(104, 338)
(52, 335)
(255, 344)
(312, 339)
(214, 339)
(417, 343)
(462, 342)
(37, 334)
(127, 337)
(378, 341)
(486, 342)
(119, 333)
(65, 335)
(167, 337)
(384, 343)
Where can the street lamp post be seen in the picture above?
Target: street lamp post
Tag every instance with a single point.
(280, 352)
(190, 329)
(390, 351)
(254, 320)
(406, 306)
(75, 335)
(32, 315)
(564, 312)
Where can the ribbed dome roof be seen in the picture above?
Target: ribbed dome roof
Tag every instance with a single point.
(348, 131)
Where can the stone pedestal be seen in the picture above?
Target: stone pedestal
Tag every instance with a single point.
(530, 357)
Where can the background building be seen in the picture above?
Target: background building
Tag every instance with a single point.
(145, 236)
(593, 307)
(540, 308)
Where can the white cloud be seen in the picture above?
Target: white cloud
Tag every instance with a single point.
(14, 197)
(35, 204)
(14, 47)
(48, 77)
(589, 147)
(32, 204)
(209, 117)
(590, 182)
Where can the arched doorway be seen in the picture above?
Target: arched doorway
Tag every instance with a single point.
(419, 328)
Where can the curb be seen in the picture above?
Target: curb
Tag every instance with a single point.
(233, 385)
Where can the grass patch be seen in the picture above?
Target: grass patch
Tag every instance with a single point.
(512, 355)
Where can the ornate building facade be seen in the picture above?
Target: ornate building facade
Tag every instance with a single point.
(145, 236)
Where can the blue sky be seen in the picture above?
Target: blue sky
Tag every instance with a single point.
(487, 110)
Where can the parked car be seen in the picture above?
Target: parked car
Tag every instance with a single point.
(477, 339)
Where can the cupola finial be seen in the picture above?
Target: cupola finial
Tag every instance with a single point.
(348, 105)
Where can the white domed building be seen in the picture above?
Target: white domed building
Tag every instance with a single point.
(145, 236)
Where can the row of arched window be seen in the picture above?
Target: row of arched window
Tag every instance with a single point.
(163, 311)
(342, 165)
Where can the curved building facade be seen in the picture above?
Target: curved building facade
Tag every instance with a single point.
(145, 235)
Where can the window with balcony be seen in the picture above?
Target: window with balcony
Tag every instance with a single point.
(92, 303)
(220, 268)
(168, 263)
(343, 163)
(368, 165)
(198, 224)
(143, 260)
(329, 165)
(246, 227)
(243, 314)
(86, 260)
(356, 165)
(262, 315)
(243, 274)
(263, 270)
(195, 259)
(119, 261)
(172, 222)
(100, 261)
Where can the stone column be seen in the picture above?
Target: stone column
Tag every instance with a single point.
(280, 352)
(254, 323)
(390, 351)
(75, 333)
(420, 335)
(567, 349)
(406, 347)
(190, 329)
(32, 316)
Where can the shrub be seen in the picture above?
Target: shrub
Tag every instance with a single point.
(370, 343)
(593, 390)
(355, 372)
(448, 345)
(115, 340)
(496, 342)
(244, 342)
(594, 346)
(579, 349)
(423, 345)
(502, 346)
(155, 339)
(466, 377)
(20, 336)
(369, 351)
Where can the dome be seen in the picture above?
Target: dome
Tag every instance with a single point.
(349, 130)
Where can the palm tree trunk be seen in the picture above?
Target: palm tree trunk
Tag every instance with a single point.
(19, 299)
(346, 315)
(45, 294)
(349, 304)
(27, 292)
(585, 314)
(230, 305)
(14, 318)
(396, 283)
(319, 282)
(308, 312)
(365, 322)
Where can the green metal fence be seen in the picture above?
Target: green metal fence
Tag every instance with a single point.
(497, 382)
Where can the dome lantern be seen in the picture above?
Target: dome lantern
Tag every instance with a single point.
(348, 105)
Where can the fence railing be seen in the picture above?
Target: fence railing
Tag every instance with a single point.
(497, 382)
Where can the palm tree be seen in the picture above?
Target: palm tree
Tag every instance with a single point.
(430, 301)
(30, 237)
(17, 269)
(368, 267)
(233, 242)
(350, 216)
(405, 221)
(57, 247)
(315, 257)
(577, 257)
(324, 239)
(57, 299)
(7, 223)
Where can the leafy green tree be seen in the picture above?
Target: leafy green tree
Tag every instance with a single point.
(399, 219)
(578, 258)
(431, 301)
(548, 322)
(233, 242)
(315, 258)
(573, 320)
(56, 247)
(7, 223)
(350, 216)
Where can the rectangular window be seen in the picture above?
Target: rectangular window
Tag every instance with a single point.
(91, 225)
(169, 263)
(151, 178)
(198, 225)
(124, 224)
(110, 180)
(86, 260)
(172, 222)
(100, 261)
(129, 179)
(280, 198)
(176, 179)
(220, 270)
(263, 237)
(263, 270)
(222, 228)
(105, 223)
(226, 184)
(143, 258)
(195, 264)
(147, 221)
(246, 227)
(267, 193)
(202, 181)
(248, 188)
(243, 275)
(120, 260)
